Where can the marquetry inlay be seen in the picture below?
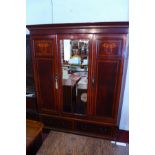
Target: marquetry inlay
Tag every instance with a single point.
(109, 47)
(43, 47)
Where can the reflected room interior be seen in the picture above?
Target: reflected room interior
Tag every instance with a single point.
(74, 59)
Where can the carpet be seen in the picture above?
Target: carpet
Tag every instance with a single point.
(60, 143)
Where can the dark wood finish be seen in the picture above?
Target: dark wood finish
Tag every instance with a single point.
(43, 56)
(106, 89)
(33, 136)
(32, 115)
(31, 108)
(95, 129)
(69, 94)
(108, 63)
(109, 45)
(31, 103)
(43, 47)
(78, 25)
(29, 77)
(84, 128)
(29, 72)
(108, 55)
(107, 74)
(46, 82)
(122, 136)
(56, 122)
(76, 28)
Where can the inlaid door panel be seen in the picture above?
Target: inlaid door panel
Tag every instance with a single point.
(44, 55)
(107, 75)
(109, 45)
(45, 82)
(43, 47)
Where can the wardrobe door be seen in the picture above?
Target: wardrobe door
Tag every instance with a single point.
(75, 52)
(107, 76)
(43, 54)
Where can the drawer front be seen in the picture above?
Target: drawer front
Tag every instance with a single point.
(57, 122)
(109, 45)
(93, 128)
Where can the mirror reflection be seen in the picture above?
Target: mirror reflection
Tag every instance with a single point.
(74, 59)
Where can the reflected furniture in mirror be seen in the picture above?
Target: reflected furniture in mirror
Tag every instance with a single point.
(79, 74)
(74, 64)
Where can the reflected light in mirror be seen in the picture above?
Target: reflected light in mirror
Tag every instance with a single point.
(66, 50)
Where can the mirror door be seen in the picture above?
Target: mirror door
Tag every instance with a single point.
(75, 55)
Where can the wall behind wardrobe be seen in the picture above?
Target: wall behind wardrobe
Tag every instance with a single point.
(70, 11)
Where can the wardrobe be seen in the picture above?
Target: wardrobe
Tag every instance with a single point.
(79, 72)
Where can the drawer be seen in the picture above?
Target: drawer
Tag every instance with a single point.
(43, 47)
(109, 46)
(56, 122)
(94, 129)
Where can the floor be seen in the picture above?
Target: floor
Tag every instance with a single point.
(60, 143)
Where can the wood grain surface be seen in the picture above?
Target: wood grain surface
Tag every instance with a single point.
(60, 143)
(33, 129)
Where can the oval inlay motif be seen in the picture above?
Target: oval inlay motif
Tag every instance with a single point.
(84, 97)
